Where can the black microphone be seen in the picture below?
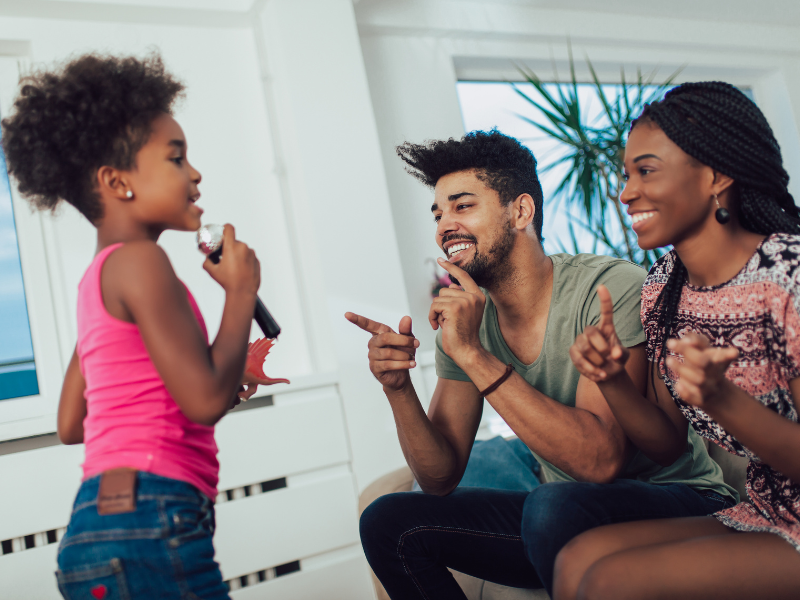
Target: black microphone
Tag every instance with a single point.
(209, 242)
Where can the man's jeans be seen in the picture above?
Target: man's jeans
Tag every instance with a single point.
(510, 538)
(161, 551)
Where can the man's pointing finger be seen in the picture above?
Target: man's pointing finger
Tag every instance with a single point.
(366, 324)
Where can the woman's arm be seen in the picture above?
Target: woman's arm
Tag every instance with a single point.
(138, 280)
(774, 438)
(72, 405)
(647, 415)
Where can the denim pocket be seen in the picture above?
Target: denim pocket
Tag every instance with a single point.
(101, 581)
(189, 522)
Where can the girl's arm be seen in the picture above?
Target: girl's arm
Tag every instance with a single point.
(140, 286)
(771, 436)
(647, 415)
(72, 405)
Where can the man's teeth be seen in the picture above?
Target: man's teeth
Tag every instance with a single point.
(642, 216)
(456, 248)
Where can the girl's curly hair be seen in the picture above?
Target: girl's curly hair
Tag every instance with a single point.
(69, 121)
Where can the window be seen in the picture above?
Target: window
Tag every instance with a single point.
(17, 364)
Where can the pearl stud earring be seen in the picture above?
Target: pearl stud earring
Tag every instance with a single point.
(129, 194)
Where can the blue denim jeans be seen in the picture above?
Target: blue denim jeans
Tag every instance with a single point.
(162, 550)
(508, 537)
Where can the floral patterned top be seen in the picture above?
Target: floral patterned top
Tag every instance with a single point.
(757, 312)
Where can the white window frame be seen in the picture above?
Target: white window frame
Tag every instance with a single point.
(32, 415)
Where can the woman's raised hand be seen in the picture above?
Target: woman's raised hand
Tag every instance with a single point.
(597, 353)
(701, 375)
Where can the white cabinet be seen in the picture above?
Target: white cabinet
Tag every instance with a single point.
(287, 524)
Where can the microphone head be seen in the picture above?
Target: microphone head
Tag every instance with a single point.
(209, 238)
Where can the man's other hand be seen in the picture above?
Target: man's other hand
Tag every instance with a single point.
(459, 313)
(390, 354)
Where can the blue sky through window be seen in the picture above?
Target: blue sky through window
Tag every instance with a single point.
(17, 364)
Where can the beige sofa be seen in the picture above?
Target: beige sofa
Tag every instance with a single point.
(733, 468)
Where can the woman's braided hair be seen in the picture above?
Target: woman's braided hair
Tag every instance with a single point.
(715, 123)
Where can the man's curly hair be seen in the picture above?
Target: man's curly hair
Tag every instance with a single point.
(93, 111)
(500, 161)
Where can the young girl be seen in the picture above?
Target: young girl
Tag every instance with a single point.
(144, 388)
(721, 313)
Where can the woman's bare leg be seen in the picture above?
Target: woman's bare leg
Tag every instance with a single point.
(679, 559)
(730, 567)
(581, 553)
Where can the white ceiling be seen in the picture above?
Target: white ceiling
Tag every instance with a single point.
(769, 12)
(216, 5)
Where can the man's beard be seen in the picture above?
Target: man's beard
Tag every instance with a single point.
(492, 268)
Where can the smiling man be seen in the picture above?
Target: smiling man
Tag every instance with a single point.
(505, 334)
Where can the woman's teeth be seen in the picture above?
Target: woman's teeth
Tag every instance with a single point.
(456, 248)
(642, 216)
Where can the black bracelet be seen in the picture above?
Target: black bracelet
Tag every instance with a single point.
(498, 383)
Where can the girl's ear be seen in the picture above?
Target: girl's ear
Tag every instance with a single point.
(524, 211)
(111, 183)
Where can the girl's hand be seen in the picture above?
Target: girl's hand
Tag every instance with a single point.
(238, 269)
(701, 375)
(597, 353)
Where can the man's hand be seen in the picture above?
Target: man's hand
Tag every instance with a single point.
(597, 353)
(459, 313)
(391, 354)
(702, 382)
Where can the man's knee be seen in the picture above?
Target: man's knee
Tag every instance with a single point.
(554, 513)
(378, 520)
(550, 505)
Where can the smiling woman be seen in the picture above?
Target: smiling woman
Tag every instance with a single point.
(17, 365)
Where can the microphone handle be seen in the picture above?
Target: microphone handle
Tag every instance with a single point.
(265, 321)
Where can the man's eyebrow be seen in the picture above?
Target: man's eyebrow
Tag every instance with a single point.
(180, 144)
(643, 156)
(452, 198)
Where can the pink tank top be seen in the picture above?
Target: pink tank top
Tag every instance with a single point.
(132, 421)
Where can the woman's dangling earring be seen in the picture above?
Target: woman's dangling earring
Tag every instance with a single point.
(722, 215)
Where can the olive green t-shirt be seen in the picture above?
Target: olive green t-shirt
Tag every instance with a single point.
(573, 306)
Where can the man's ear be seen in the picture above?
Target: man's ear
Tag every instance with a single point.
(112, 183)
(524, 211)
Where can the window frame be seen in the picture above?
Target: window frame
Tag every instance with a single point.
(29, 416)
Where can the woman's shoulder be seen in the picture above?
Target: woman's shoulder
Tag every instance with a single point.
(779, 251)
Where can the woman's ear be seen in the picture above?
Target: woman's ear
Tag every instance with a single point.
(721, 183)
(524, 211)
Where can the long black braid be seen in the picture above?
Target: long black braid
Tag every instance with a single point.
(718, 125)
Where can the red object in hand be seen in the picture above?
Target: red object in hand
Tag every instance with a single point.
(256, 354)
(99, 591)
